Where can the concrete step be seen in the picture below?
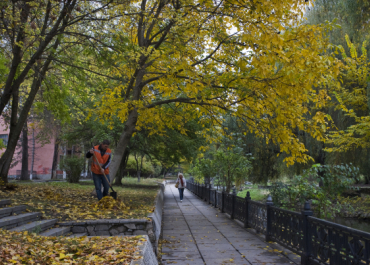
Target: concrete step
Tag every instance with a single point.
(5, 202)
(59, 231)
(36, 226)
(78, 235)
(8, 211)
(17, 220)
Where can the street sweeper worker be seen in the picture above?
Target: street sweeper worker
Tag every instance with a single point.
(103, 158)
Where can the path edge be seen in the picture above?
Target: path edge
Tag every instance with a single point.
(157, 214)
(147, 255)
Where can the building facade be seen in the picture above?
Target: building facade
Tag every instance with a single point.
(40, 155)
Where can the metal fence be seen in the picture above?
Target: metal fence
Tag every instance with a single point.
(317, 241)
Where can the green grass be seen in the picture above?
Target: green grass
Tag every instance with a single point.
(256, 193)
(146, 182)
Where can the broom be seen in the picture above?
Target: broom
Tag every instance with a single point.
(113, 193)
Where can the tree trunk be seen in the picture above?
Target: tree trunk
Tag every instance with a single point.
(123, 143)
(15, 132)
(118, 179)
(24, 171)
(137, 168)
(321, 160)
(33, 153)
(139, 171)
(55, 159)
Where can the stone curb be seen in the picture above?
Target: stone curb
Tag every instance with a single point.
(105, 221)
(156, 216)
(147, 255)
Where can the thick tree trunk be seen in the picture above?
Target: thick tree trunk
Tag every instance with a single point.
(123, 143)
(33, 153)
(15, 132)
(139, 171)
(55, 159)
(118, 178)
(24, 171)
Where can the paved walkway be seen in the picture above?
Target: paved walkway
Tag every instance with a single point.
(196, 233)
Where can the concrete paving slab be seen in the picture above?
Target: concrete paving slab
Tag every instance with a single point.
(227, 260)
(178, 239)
(192, 218)
(204, 230)
(201, 226)
(167, 247)
(215, 247)
(261, 255)
(219, 220)
(198, 222)
(220, 254)
(180, 223)
(211, 240)
(175, 255)
(183, 262)
(175, 227)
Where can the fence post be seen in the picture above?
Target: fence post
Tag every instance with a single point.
(216, 198)
(209, 193)
(233, 204)
(306, 234)
(269, 203)
(247, 199)
(222, 201)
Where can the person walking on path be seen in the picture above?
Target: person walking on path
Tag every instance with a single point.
(103, 155)
(181, 185)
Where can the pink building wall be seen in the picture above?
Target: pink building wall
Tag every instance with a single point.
(43, 160)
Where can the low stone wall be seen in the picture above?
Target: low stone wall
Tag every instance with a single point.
(111, 227)
(147, 255)
(156, 216)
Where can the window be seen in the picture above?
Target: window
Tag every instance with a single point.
(4, 137)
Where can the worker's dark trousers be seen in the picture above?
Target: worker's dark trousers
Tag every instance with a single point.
(99, 179)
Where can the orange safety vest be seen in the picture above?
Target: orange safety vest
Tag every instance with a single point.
(101, 160)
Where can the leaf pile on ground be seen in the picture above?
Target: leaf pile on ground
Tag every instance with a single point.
(25, 248)
(108, 203)
(67, 201)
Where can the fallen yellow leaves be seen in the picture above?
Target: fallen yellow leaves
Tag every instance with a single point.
(25, 248)
(67, 201)
(108, 203)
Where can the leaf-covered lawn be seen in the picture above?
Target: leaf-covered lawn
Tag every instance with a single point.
(25, 248)
(67, 201)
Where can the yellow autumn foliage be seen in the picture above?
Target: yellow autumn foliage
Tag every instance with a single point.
(353, 99)
(189, 60)
(108, 203)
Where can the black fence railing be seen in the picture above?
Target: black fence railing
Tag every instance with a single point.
(317, 241)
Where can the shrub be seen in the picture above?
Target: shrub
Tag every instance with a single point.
(334, 180)
(8, 186)
(73, 166)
